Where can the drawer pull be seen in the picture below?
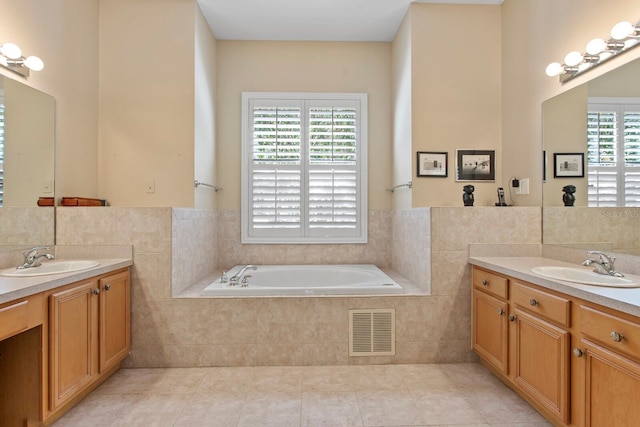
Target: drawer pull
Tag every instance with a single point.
(512, 317)
(485, 282)
(96, 291)
(577, 352)
(107, 287)
(533, 302)
(616, 336)
(500, 311)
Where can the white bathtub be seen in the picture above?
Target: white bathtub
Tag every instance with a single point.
(279, 280)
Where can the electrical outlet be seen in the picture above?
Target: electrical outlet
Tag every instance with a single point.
(524, 186)
(515, 183)
(150, 186)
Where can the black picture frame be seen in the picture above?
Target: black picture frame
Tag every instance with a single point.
(432, 164)
(475, 165)
(568, 165)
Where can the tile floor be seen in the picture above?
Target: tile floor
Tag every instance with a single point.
(331, 396)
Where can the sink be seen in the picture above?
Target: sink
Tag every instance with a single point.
(586, 276)
(51, 267)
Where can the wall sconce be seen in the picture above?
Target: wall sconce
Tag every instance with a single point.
(624, 36)
(12, 59)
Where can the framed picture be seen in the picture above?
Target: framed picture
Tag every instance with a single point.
(475, 165)
(432, 164)
(568, 165)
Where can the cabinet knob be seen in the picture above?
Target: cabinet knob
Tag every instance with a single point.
(577, 352)
(485, 282)
(96, 291)
(500, 311)
(533, 302)
(512, 318)
(107, 287)
(616, 336)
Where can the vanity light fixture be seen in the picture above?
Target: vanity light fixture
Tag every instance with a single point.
(12, 59)
(624, 36)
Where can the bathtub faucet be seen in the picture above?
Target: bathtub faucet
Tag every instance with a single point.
(236, 277)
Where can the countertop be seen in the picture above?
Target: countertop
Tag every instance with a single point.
(13, 288)
(626, 300)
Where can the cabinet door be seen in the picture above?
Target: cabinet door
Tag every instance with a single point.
(542, 355)
(72, 319)
(490, 329)
(114, 320)
(612, 387)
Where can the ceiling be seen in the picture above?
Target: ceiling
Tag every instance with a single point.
(311, 20)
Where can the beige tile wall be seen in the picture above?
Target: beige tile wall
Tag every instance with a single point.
(616, 229)
(181, 332)
(28, 226)
(377, 251)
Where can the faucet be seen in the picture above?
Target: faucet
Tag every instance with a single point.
(604, 265)
(233, 280)
(32, 258)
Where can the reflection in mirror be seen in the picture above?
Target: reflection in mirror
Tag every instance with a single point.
(27, 131)
(601, 120)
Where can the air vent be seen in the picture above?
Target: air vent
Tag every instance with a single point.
(372, 332)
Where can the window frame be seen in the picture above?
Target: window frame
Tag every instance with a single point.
(305, 234)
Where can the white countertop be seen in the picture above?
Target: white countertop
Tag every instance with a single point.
(12, 288)
(626, 300)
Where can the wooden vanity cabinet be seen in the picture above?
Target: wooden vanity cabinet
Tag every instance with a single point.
(89, 334)
(607, 357)
(520, 331)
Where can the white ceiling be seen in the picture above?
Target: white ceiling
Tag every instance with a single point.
(317, 20)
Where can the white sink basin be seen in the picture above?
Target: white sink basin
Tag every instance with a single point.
(586, 276)
(51, 267)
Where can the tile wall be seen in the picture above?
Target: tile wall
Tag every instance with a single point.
(188, 332)
(25, 227)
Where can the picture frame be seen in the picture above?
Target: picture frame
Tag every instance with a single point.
(432, 164)
(568, 165)
(475, 165)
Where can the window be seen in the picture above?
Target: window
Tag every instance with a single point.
(613, 152)
(304, 177)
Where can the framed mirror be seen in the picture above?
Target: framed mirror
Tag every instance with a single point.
(27, 162)
(599, 119)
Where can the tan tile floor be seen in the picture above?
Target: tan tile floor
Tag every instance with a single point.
(330, 396)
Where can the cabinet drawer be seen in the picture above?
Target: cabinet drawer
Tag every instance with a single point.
(14, 319)
(612, 332)
(490, 283)
(542, 304)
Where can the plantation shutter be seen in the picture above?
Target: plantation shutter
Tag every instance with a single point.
(304, 175)
(613, 153)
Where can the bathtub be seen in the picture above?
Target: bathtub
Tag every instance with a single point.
(276, 280)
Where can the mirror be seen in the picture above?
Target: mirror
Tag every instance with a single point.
(27, 135)
(564, 120)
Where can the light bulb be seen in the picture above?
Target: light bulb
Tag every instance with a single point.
(573, 58)
(553, 69)
(11, 50)
(34, 63)
(622, 30)
(595, 46)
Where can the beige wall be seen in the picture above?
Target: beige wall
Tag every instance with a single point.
(146, 134)
(303, 67)
(402, 113)
(535, 33)
(29, 145)
(64, 33)
(456, 94)
(205, 112)
(565, 131)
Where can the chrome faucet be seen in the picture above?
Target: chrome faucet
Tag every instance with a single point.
(604, 265)
(233, 280)
(32, 257)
